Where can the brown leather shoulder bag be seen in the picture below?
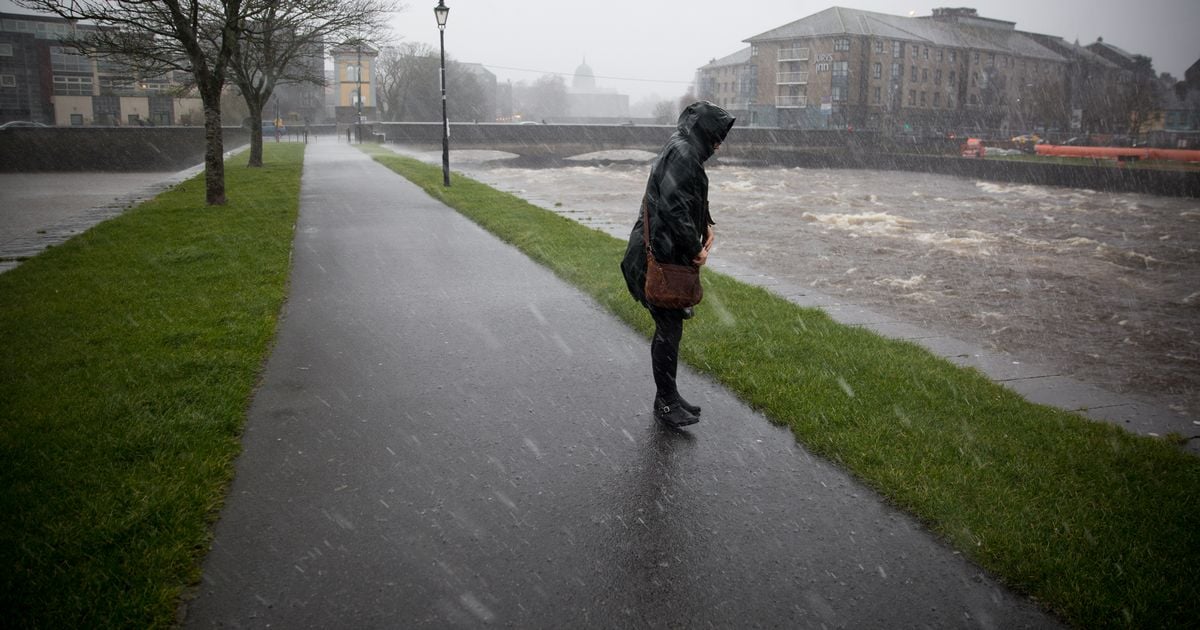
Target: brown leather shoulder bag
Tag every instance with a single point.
(669, 285)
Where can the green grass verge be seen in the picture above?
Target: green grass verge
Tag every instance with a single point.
(1101, 526)
(130, 353)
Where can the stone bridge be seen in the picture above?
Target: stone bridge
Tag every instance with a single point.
(560, 141)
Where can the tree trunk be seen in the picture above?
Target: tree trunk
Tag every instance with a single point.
(214, 151)
(256, 133)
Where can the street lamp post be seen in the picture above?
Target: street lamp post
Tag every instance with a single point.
(441, 12)
(358, 95)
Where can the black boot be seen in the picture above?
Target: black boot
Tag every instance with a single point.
(692, 409)
(673, 414)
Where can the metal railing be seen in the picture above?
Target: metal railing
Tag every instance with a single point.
(783, 78)
(791, 101)
(793, 54)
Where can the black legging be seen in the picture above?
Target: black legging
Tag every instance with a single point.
(664, 350)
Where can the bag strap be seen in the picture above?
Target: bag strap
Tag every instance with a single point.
(646, 227)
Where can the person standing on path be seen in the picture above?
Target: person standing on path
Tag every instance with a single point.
(680, 233)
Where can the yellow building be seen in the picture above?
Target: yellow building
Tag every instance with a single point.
(354, 83)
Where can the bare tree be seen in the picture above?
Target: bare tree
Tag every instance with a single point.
(410, 90)
(1141, 96)
(284, 44)
(408, 83)
(546, 98)
(196, 36)
(664, 112)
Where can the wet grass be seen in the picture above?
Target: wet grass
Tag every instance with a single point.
(130, 353)
(1100, 526)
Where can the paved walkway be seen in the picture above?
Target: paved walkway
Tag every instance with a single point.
(447, 435)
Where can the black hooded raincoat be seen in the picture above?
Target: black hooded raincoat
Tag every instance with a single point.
(677, 195)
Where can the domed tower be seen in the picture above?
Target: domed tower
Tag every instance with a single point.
(584, 80)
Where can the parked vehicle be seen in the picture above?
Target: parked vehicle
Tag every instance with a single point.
(974, 148)
(21, 123)
(1026, 142)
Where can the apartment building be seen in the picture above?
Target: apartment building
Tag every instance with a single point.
(43, 81)
(731, 82)
(846, 68)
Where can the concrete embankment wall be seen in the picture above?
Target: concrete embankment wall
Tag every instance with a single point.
(1105, 177)
(175, 148)
(107, 149)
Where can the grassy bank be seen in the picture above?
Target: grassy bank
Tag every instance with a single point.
(129, 357)
(1101, 526)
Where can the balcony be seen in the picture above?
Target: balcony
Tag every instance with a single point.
(793, 54)
(791, 78)
(793, 102)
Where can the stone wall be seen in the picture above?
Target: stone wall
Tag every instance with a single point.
(25, 149)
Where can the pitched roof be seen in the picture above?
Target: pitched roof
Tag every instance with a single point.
(736, 59)
(974, 34)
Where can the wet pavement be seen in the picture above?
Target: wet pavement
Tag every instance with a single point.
(40, 210)
(447, 435)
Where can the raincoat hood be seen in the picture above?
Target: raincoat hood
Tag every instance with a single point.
(704, 125)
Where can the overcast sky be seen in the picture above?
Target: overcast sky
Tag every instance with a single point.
(644, 47)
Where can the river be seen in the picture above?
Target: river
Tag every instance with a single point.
(1103, 287)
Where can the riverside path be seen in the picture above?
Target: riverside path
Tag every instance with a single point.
(447, 435)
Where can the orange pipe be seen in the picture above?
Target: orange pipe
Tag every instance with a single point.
(1180, 155)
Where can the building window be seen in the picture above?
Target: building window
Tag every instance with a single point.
(914, 74)
(922, 99)
(937, 99)
(875, 94)
(953, 78)
(76, 120)
(941, 55)
(937, 77)
(72, 86)
(953, 56)
(876, 70)
(837, 94)
(841, 44)
(6, 50)
(975, 56)
(352, 73)
(924, 75)
(925, 52)
(972, 100)
(915, 51)
(912, 98)
(879, 46)
(896, 72)
(841, 69)
(63, 60)
(991, 59)
(133, 119)
(754, 50)
(897, 50)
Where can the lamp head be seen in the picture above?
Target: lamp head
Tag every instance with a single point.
(441, 12)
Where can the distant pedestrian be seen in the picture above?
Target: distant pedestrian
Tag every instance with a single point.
(680, 233)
